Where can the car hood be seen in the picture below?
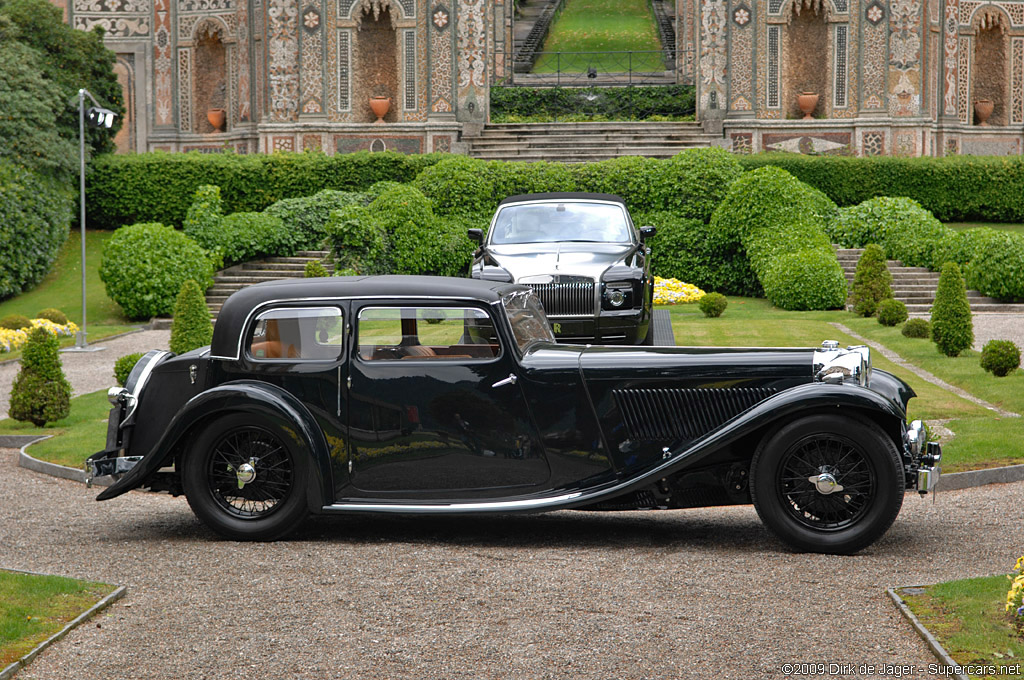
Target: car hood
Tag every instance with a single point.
(580, 259)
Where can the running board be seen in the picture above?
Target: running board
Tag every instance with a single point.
(454, 508)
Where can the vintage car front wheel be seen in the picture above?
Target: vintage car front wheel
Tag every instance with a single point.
(244, 479)
(829, 484)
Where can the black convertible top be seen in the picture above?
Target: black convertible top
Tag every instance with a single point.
(236, 309)
(568, 195)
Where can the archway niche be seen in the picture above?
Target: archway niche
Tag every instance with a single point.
(209, 76)
(376, 60)
(989, 76)
(804, 56)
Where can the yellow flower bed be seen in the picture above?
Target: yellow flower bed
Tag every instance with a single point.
(1015, 597)
(14, 340)
(673, 291)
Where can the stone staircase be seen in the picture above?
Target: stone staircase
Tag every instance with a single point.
(530, 28)
(585, 142)
(234, 278)
(915, 286)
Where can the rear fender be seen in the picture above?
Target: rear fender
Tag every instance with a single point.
(262, 400)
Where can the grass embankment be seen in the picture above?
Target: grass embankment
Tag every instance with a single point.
(983, 439)
(73, 439)
(62, 288)
(34, 607)
(969, 620)
(606, 26)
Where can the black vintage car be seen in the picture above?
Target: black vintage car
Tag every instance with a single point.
(582, 256)
(424, 395)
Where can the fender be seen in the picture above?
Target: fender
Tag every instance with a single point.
(258, 398)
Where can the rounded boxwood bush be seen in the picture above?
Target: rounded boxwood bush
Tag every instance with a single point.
(511, 178)
(1000, 357)
(713, 304)
(458, 185)
(14, 322)
(872, 281)
(916, 328)
(191, 327)
(41, 393)
(358, 242)
(315, 270)
(124, 365)
(34, 223)
(307, 216)
(401, 204)
(997, 266)
(805, 280)
(144, 266)
(891, 312)
(952, 327)
(54, 315)
(698, 181)
(904, 229)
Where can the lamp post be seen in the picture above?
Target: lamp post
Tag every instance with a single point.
(97, 117)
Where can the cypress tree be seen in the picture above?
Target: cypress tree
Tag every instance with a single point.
(952, 327)
(191, 327)
(872, 281)
(41, 392)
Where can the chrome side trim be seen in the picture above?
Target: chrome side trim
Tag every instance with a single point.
(445, 508)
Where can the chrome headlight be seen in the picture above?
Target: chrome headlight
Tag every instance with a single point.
(917, 437)
(834, 365)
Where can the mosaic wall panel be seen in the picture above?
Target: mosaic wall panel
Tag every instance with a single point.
(282, 66)
(163, 109)
(282, 143)
(951, 48)
(261, 79)
(440, 60)
(1017, 81)
(686, 42)
(1015, 10)
(409, 61)
(742, 142)
(905, 28)
(242, 110)
(963, 91)
(472, 56)
(873, 143)
(312, 143)
(442, 144)
(821, 143)
(934, 46)
(343, 92)
(741, 56)
(875, 61)
(839, 78)
(774, 58)
(713, 54)
(311, 80)
(345, 7)
(905, 144)
(351, 144)
(185, 89)
(118, 18)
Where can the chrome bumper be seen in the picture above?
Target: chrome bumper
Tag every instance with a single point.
(107, 463)
(925, 457)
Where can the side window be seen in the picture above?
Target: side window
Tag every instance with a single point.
(430, 333)
(308, 333)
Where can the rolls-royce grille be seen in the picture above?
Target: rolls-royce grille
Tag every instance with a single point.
(674, 414)
(571, 296)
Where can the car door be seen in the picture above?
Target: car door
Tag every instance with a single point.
(435, 408)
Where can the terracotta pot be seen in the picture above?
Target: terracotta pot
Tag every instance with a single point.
(983, 110)
(807, 101)
(217, 117)
(380, 107)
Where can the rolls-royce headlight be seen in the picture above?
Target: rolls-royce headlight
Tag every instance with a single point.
(616, 297)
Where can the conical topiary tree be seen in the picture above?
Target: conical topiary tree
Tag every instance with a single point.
(952, 328)
(872, 281)
(191, 327)
(41, 393)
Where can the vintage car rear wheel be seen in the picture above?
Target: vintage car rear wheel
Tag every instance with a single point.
(829, 484)
(245, 479)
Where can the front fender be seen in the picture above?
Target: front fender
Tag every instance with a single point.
(258, 398)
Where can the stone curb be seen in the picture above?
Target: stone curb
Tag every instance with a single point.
(937, 649)
(9, 672)
(62, 471)
(109, 337)
(971, 478)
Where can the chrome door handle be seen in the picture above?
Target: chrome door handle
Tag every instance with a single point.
(510, 380)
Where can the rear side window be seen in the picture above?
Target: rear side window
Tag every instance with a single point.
(428, 333)
(308, 333)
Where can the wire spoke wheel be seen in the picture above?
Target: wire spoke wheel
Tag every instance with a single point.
(250, 473)
(826, 482)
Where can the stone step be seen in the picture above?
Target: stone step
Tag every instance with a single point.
(584, 140)
(268, 266)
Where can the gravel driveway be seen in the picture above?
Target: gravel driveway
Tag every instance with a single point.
(683, 594)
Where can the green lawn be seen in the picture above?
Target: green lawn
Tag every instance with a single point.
(983, 439)
(606, 26)
(33, 607)
(969, 620)
(81, 434)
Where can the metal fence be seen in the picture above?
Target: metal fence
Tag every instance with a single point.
(585, 69)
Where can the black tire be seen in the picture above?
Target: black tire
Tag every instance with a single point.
(266, 507)
(815, 516)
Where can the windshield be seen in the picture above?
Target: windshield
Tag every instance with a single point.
(526, 315)
(550, 222)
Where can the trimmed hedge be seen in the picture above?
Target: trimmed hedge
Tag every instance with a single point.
(630, 103)
(124, 365)
(145, 265)
(191, 327)
(996, 266)
(159, 187)
(872, 281)
(41, 393)
(1000, 357)
(891, 312)
(35, 216)
(952, 326)
(904, 229)
(712, 305)
(359, 244)
(308, 215)
(917, 328)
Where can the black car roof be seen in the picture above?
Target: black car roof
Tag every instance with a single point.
(568, 195)
(237, 308)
